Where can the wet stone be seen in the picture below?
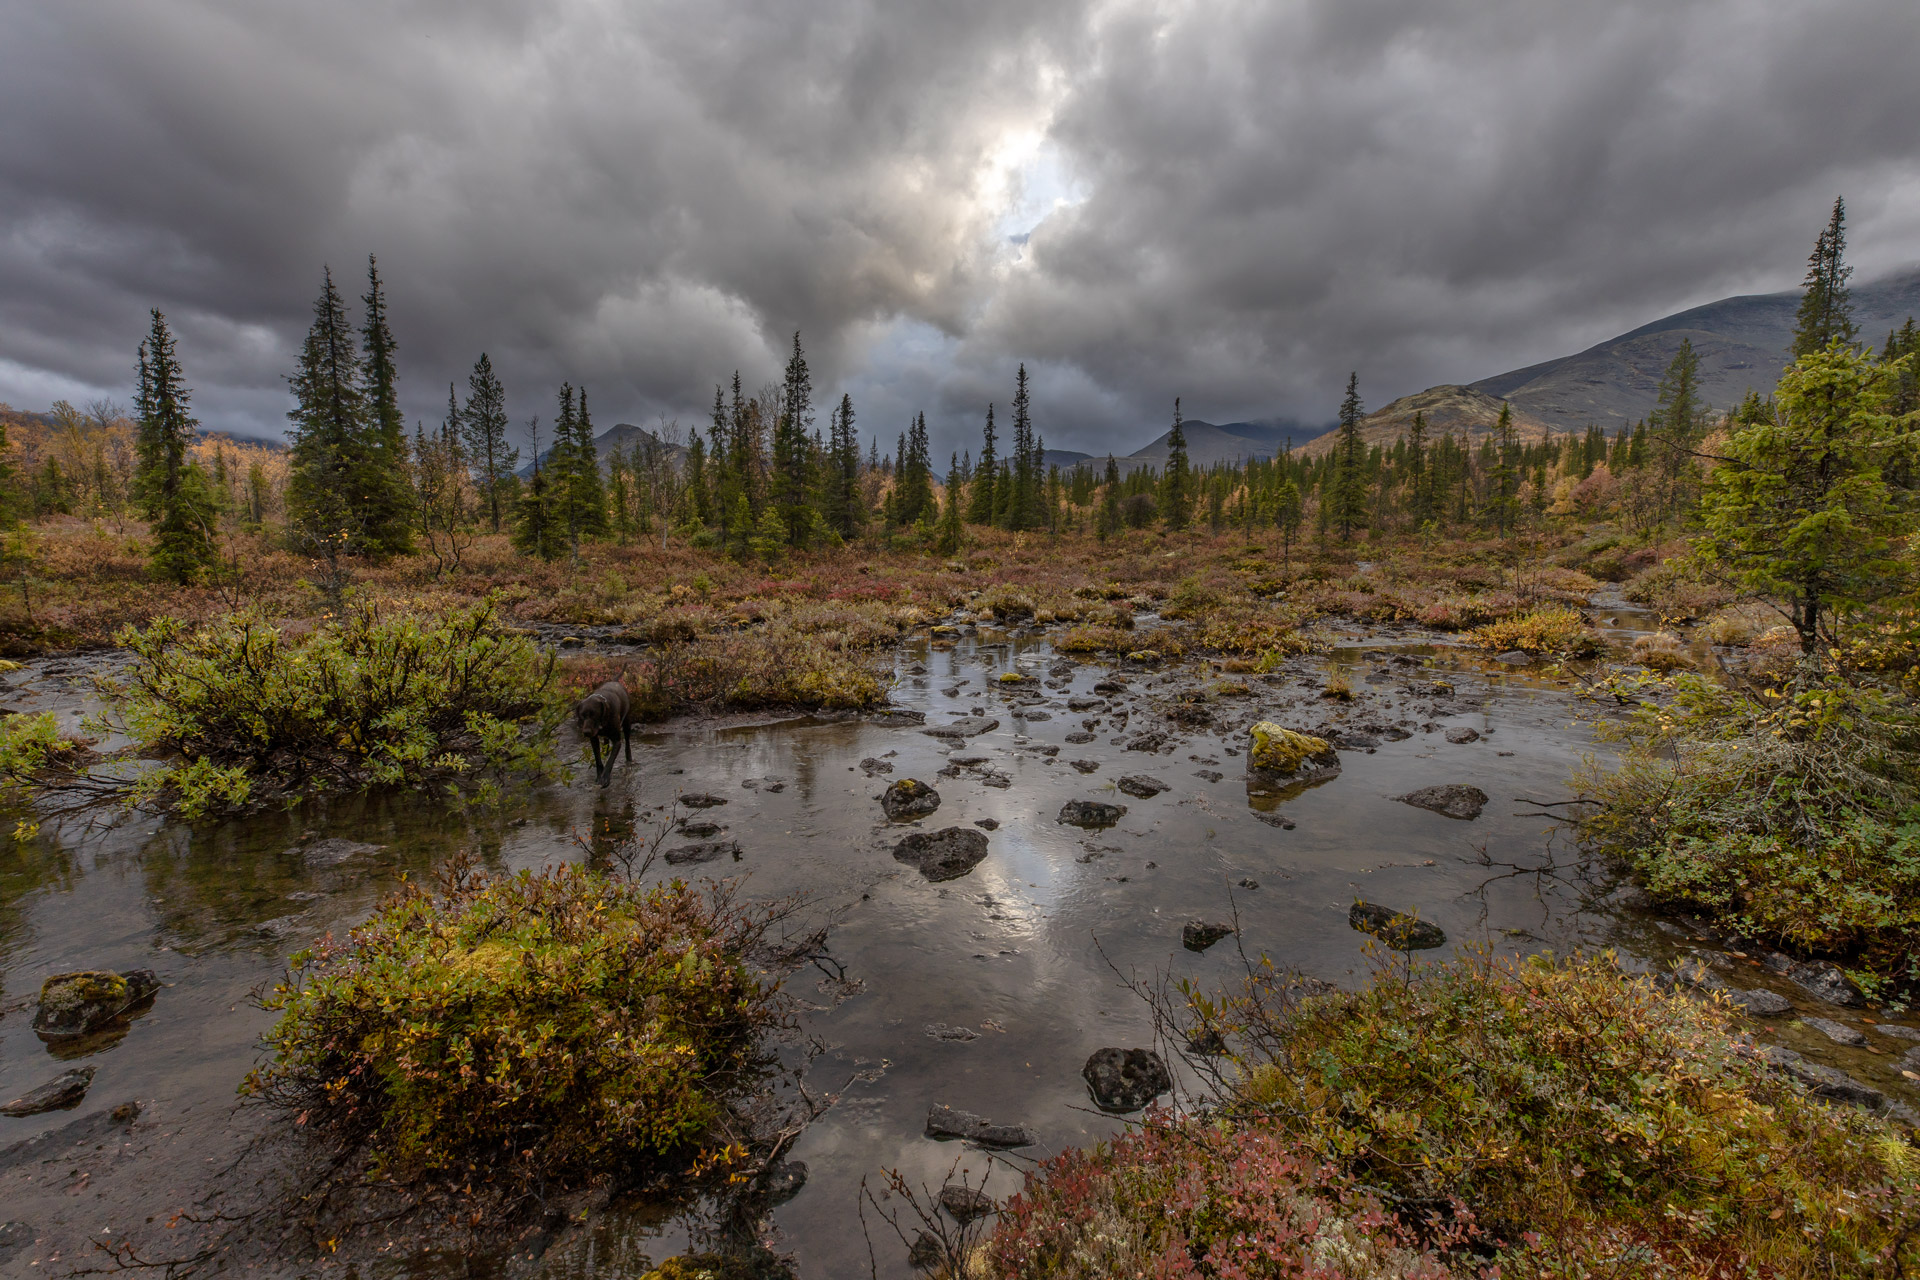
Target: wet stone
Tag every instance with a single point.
(987, 824)
(909, 798)
(702, 800)
(1209, 775)
(698, 829)
(1838, 1032)
(964, 1203)
(1827, 982)
(943, 855)
(706, 851)
(872, 765)
(969, 727)
(1125, 1079)
(1514, 658)
(1397, 929)
(1079, 738)
(1151, 740)
(1198, 935)
(1462, 735)
(1822, 1081)
(1141, 786)
(14, 1236)
(1086, 704)
(1086, 766)
(61, 1093)
(75, 1004)
(1034, 717)
(1454, 799)
(1898, 1032)
(783, 1181)
(1109, 687)
(954, 1035)
(1091, 813)
(332, 852)
(946, 1122)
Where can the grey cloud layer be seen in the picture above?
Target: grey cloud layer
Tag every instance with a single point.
(645, 196)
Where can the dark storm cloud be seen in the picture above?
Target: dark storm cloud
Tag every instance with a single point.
(1235, 202)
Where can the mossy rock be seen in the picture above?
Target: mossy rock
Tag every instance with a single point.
(1012, 677)
(1143, 655)
(758, 1265)
(77, 1004)
(1283, 753)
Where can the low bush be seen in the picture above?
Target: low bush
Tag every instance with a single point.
(1184, 1200)
(379, 696)
(1791, 814)
(1552, 632)
(528, 1028)
(1661, 651)
(1249, 632)
(776, 667)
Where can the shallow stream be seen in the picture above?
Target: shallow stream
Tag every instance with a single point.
(985, 993)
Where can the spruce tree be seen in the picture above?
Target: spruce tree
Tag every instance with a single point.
(842, 497)
(1287, 512)
(484, 422)
(166, 428)
(387, 499)
(1679, 420)
(1176, 488)
(1023, 503)
(980, 498)
(699, 500)
(1109, 520)
(1348, 489)
(791, 480)
(912, 497)
(328, 500)
(589, 492)
(952, 530)
(558, 472)
(1505, 506)
(534, 528)
(1826, 305)
(1419, 475)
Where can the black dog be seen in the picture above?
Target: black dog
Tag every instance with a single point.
(606, 714)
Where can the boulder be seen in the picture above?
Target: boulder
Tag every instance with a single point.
(1463, 735)
(967, 727)
(1125, 1079)
(702, 800)
(706, 851)
(58, 1094)
(1838, 1032)
(1514, 658)
(1398, 930)
(909, 798)
(1091, 813)
(965, 1203)
(1086, 766)
(698, 829)
(1141, 786)
(943, 855)
(1761, 1002)
(76, 1004)
(1198, 935)
(1826, 981)
(946, 1122)
(1276, 754)
(1454, 799)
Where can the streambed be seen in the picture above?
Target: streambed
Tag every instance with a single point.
(986, 992)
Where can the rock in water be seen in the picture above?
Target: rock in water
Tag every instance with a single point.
(1091, 813)
(945, 1122)
(943, 855)
(970, 727)
(1141, 786)
(966, 1203)
(1463, 735)
(1398, 930)
(909, 798)
(333, 851)
(1275, 754)
(708, 851)
(1455, 800)
(1838, 1032)
(1761, 1002)
(1822, 1081)
(1514, 658)
(702, 800)
(1826, 981)
(74, 1004)
(1125, 1079)
(63, 1091)
(1198, 935)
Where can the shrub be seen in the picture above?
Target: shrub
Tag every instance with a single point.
(1661, 651)
(534, 1028)
(779, 667)
(1249, 632)
(1557, 632)
(373, 697)
(1184, 1200)
(1791, 816)
(1593, 1125)
(1095, 639)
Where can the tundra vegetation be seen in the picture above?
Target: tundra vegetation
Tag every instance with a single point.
(373, 609)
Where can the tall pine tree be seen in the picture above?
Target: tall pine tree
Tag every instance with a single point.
(387, 499)
(1826, 305)
(981, 503)
(1176, 487)
(1348, 490)
(483, 422)
(166, 427)
(791, 479)
(842, 491)
(330, 487)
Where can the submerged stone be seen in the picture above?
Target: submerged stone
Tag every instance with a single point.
(1091, 813)
(1198, 935)
(75, 1004)
(947, 1122)
(63, 1091)
(943, 855)
(1761, 1002)
(965, 1203)
(909, 798)
(707, 851)
(1141, 786)
(1398, 930)
(1838, 1032)
(1125, 1079)
(1453, 799)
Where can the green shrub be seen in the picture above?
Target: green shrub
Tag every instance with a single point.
(1593, 1125)
(373, 697)
(1556, 632)
(536, 1027)
(1792, 817)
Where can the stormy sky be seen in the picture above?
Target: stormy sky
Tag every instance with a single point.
(1233, 202)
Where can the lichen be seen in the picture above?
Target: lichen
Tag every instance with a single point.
(1279, 750)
